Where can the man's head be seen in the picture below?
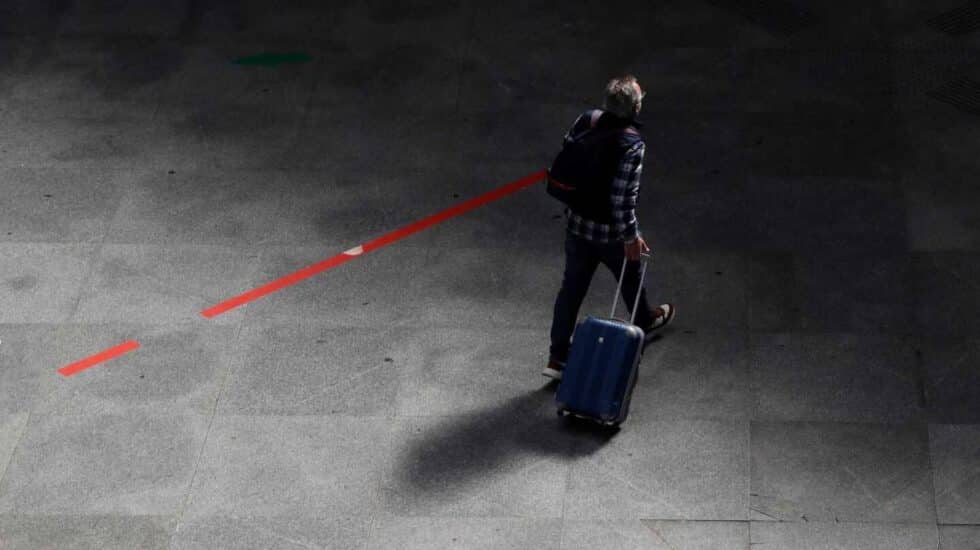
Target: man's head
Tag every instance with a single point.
(624, 97)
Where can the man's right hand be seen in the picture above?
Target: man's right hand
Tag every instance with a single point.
(635, 248)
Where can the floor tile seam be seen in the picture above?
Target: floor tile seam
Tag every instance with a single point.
(96, 257)
(913, 420)
(462, 52)
(566, 489)
(179, 516)
(749, 454)
(971, 476)
(847, 522)
(308, 105)
(390, 453)
(912, 424)
(932, 473)
(20, 438)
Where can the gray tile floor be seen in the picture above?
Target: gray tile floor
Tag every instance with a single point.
(812, 211)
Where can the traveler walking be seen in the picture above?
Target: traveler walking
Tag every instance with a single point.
(602, 225)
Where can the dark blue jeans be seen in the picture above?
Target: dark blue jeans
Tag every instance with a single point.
(582, 257)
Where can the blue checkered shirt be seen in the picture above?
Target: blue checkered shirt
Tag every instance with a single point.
(625, 191)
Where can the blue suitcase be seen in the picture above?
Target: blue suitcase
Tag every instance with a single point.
(599, 376)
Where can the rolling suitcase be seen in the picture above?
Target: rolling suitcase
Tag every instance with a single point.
(598, 379)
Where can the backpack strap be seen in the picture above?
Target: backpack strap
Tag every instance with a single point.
(597, 114)
(594, 118)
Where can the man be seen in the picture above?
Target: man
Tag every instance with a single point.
(608, 237)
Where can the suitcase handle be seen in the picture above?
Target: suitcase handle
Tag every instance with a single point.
(639, 289)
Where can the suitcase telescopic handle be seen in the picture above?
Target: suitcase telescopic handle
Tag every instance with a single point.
(639, 289)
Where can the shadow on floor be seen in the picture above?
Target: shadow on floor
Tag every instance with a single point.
(495, 440)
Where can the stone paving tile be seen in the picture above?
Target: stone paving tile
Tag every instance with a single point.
(842, 377)
(825, 217)
(845, 472)
(695, 375)
(29, 355)
(233, 135)
(156, 18)
(476, 533)
(528, 220)
(942, 218)
(955, 457)
(951, 379)
(262, 533)
(445, 372)
(348, 115)
(330, 207)
(102, 532)
(416, 67)
(815, 143)
(278, 89)
(691, 144)
(706, 211)
(831, 292)
(27, 17)
(476, 288)
(250, 20)
(176, 369)
(687, 79)
(94, 77)
(959, 537)
(41, 283)
(937, 142)
(844, 536)
(312, 369)
(861, 292)
(577, 26)
(228, 207)
(505, 460)
(774, 295)
(11, 431)
(709, 289)
(656, 535)
(677, 469)
(57, 203)
(127, 142)
(808, 27)
(133, 464)
(373, 290)
(788, 80)
(157, 284)
(303, 467)
(946, 293)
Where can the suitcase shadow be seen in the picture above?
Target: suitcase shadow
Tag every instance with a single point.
(493, 441)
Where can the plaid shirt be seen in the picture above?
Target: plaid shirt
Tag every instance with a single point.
(625, 191)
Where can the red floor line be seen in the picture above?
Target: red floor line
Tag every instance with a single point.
(372, 245)
(100, 357)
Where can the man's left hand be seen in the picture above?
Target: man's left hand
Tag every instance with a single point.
(634, 249)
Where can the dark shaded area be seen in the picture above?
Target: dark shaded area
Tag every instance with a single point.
(460, 452)
(781, 17)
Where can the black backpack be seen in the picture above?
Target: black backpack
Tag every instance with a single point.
(578, 176)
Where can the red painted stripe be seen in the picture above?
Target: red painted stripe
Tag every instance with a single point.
(100, 357)
(373, 245)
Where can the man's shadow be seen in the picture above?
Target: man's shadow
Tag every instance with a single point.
(474, 446)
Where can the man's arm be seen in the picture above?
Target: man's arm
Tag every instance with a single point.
(625, 191)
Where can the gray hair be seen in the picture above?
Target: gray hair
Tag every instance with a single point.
(623, 97)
